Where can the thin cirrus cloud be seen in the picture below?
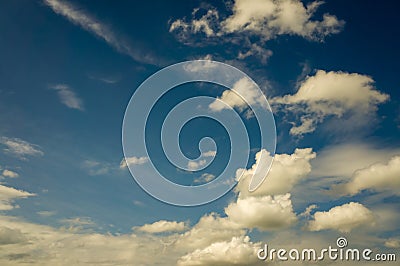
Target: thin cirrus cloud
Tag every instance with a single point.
(68, 97)
(91, 24)
(20, 148)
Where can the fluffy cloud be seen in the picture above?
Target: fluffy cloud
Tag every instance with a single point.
(237, 251)
(285, 172)
(20, 148)
(133, 161)
(210, 228)
(263, 213)
(333, 94)
(377, 177)
(68, 97)
(244, 92)
(265, 19)
(51, 246)
(162, 227)
(9, 173)
(8, 195)
(343, 218)
(89, 23)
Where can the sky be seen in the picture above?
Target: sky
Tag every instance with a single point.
(68, 70)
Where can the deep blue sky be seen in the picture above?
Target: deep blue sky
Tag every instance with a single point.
(40, 49)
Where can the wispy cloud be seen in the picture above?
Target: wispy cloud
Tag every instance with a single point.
(20, 148)
(68, 97)
(91, 24)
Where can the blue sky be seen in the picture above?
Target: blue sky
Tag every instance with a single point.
(69, 68)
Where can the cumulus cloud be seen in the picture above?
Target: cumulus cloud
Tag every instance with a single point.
(336, 94)
(133, 161)
(68, 97)
(93, 25)
(244, 92)
(286, 170)
(52, 246)
(162, 227)
(263, 213)
(9, 173)
(8, 195)
(377, 177)
(264, 18)
(237, 251)
(342, 218)
(20, 148)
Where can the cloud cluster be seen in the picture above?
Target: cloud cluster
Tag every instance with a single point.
(351, 97)
(258, 21)
(237, 251)
(264, 18)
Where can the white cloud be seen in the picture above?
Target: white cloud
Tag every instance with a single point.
(204, 178)
(196, 165)
(91, 24)
(9, 173)
(50, 246)
(133, 161)
(263, 213)
(68, 97)
(377, 177)
(8, 195)
(244, 92)
(237, 251)
(343, 218)
(20, 148)
(333, 94)
(286, 170)
(264, 18)
(210, 228)
(162, 227)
